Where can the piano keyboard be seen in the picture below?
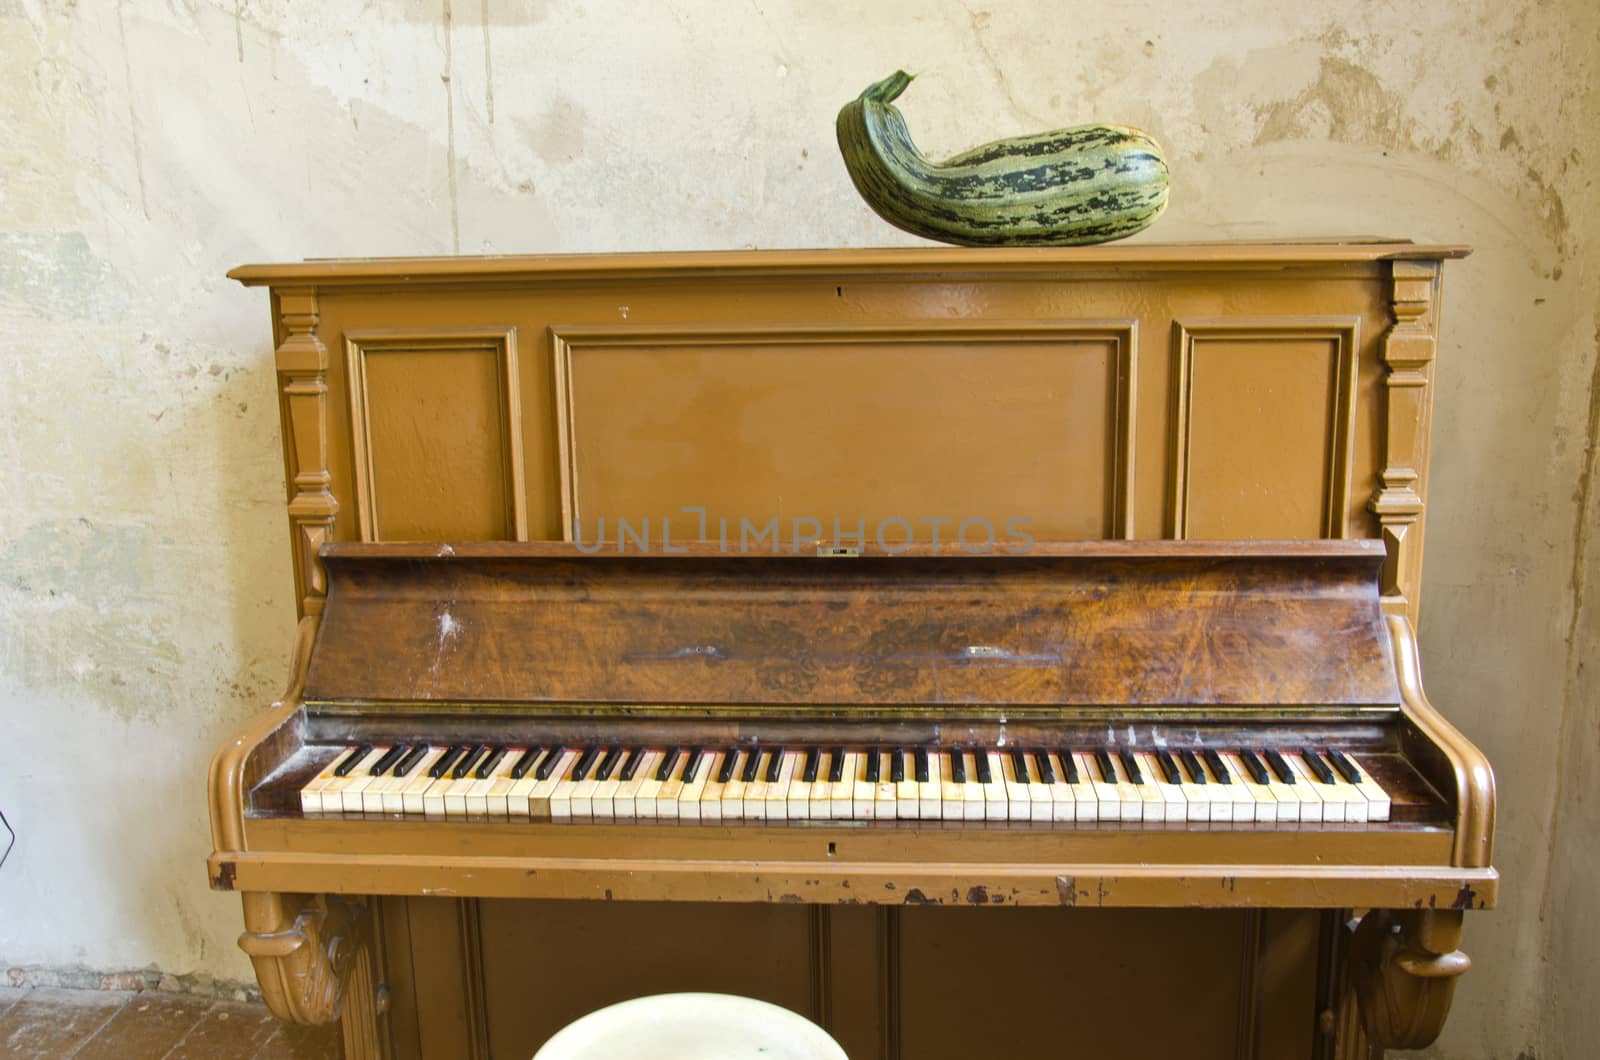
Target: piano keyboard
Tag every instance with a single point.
(1263, 786)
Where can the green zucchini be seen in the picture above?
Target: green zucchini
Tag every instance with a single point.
(1087, 184)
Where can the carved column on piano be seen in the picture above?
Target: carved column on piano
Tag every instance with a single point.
(1408, 352)
(1403, 966)
(303, 382)
(313, 958)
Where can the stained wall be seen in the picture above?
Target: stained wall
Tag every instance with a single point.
(144, 582)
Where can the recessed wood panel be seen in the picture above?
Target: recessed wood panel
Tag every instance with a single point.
(436, 443)
(547, 963)
(893, 432)
(1079, 983)
(1263, 428)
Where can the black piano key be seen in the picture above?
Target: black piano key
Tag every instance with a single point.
(1169, 768)
(1253, 766)
(1102, 761)
(388, 759)
(752, 763)
(958, 766)
(468, 762)
(631, 766)
(529, 759)
(836, 765)
(668, 760)
(775, 765)
(488, 765)
(982, 760)
(352, 760)
(730, 758)
(1130, 765)
(586, 761)
(1069, 766)
(608, 764)
(1019, 762)
(1346, 768)
(1197, 774)
(691, 765)
(1283, 769)
(919, 759)
(1318, 766)
(409, 762)
(1047, 775)
(1218, 767)
(873, 766)
(446, 760)
(897, 766)
(813, 763)
(550, 762)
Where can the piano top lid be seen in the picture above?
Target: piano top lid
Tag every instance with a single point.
(1290, 625)
(921, 260)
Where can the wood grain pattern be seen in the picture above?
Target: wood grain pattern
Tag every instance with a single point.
(1002, 632)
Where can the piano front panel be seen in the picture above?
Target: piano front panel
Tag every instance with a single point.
(1138, 400)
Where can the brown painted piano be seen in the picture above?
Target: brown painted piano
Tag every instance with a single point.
(971, 650)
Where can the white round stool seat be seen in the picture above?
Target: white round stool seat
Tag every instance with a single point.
(691, 1027)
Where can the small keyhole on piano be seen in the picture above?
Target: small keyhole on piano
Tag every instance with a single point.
(831, 850)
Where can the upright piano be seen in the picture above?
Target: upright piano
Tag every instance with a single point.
(971, 650)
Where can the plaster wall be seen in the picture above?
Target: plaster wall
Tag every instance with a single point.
(145, 605)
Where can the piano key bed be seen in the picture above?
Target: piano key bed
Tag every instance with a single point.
(1043, 785)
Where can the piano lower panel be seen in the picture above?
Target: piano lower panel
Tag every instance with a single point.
(481, 978)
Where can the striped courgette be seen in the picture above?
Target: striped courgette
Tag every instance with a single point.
(1087, 184)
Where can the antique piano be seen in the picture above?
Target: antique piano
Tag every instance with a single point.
(972, 650)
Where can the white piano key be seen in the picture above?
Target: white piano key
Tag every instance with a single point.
(733, 791)
(541, 798)
(522, 788)
(799, 798)
(625, 804)
(1040, 798)
(419, 781)
(1333, 803)
(755, 793)
(930, 793)
(357, 781)
(974, 799)
(372, 798)
(841, 792)
(1266, 805)
(886, 798)
(311, 794)
(1106, 792)
(863, 792)
(1085, 800)
(1306, 793)
(672, 787)
(693, 788)
(1378, 801)
(583, 791)
(1019, 805)
(1287, 796)
(1152, 807)
(1174, 806)
(455, 795)
(995, 807)
(604, 802)
(952, 795)
(1353, 802)
(778, 791)
(433, 797)
(1063, 803)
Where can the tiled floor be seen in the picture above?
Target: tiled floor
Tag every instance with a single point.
(104, 1025)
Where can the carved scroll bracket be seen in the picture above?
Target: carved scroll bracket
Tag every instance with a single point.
(1408, 352)
(1403, 967)
(303, 382)
(313, 958)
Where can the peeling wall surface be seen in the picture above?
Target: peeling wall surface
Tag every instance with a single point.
(145, 589)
